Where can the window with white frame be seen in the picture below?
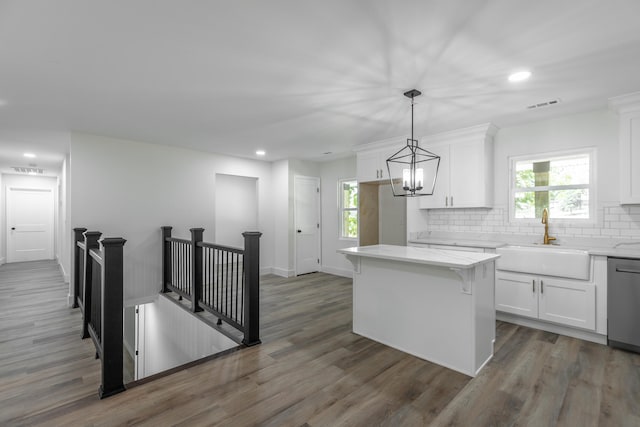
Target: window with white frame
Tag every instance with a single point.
(560, 182)
(348, 204)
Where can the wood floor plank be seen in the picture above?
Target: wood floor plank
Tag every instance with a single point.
(311, 370)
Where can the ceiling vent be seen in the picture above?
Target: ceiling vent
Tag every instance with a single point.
(28, 170)
(544, 104)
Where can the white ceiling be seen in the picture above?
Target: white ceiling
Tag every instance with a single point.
(298, 78)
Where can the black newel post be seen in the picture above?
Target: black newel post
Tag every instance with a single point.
(77, 237)
(166, 258)
(196, 268)
(90, 242)
(251, 288)
(112, 304)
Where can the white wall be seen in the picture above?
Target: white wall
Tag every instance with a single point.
(330, 174)
(283, 173)
(236, 208)
(597, 129)
(392, 217)
(130, 189)
(172, 337)
(65, 233)
(593, 129)
(129, 330)
(25, 181)
(280, 180)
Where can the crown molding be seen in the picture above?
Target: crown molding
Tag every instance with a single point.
(625, 103)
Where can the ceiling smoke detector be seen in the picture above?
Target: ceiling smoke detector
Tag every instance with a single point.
(543, 104)
(28, 170)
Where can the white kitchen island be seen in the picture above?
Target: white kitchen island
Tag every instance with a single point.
(435, 304)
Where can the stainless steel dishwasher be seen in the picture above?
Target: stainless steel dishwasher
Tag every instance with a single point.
(623, 303)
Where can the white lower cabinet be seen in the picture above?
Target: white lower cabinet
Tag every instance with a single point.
(516, 294)
(562, 301)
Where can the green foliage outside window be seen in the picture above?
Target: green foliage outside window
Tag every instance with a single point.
(561, 185)
(349, 208)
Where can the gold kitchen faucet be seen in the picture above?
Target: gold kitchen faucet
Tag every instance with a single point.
(545, 221)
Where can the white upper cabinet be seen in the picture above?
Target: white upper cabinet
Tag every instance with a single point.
(370, 166)
(628, 108)
(440, 197)
(371, 160)
(465, 177)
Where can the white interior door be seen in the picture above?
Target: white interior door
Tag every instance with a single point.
(30, 218)
(306, 214)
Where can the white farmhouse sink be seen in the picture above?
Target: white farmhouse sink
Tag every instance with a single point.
(545, 260)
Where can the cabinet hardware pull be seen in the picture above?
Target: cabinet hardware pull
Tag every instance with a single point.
(381, 174)
(446, 200)
(626, 270)
(541, 287)
(451, 201)
(533, 286)
(377, 173)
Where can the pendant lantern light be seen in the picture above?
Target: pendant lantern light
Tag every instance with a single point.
(413, 170)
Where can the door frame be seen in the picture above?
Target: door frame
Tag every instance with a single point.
(52, 221)
(295, 222)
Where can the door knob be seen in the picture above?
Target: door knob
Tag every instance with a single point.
(13, 228)
(299, 231)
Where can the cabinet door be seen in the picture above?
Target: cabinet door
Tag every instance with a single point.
(630, 158)
(368, 166)
(568, 302)
(516, 294)
(440, 197)
(467, 175)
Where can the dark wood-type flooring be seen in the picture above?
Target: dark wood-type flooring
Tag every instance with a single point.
(309, 371)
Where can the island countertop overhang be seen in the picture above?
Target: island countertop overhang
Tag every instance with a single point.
(428, 256)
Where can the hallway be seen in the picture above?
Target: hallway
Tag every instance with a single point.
(43, 362)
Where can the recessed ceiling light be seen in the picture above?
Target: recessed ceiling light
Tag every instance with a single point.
(519, 76)
(30, 155)
(260, 152)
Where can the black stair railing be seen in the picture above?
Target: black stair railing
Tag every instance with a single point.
(219, 279)
(98, 291)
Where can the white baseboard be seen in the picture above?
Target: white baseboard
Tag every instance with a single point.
(282, 272)
(266, 270)
(337, 271)
(550, 327)
(65, 275)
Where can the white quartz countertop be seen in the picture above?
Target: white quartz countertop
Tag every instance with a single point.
(617, 252)
(459, 242)
(430, 256)
(622, 250)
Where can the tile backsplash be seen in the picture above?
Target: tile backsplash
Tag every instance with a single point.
(612, 222)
